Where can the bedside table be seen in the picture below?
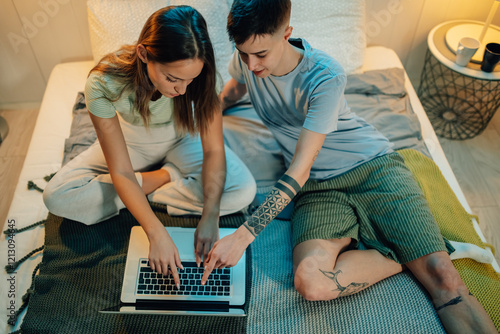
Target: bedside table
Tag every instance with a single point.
(459, 101)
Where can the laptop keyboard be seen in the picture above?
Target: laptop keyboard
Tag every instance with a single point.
(152, 283)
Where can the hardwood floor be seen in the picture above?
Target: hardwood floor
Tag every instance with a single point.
(475, 162)
(13, 149)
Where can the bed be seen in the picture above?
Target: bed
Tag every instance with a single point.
(284, 310)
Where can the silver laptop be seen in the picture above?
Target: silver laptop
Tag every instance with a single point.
(147, 292)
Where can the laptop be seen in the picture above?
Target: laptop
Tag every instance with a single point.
(147, 292)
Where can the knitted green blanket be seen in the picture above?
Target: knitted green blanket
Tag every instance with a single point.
(82, 272)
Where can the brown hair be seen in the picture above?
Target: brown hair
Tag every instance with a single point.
(172, 33)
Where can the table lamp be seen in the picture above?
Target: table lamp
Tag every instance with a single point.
(484, 32)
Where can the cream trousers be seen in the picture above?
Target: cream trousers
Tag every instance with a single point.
(83, 191)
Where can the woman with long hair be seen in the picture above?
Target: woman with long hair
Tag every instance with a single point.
(158, 121)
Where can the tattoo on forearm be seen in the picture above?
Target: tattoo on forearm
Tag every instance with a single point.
(352, 288)
(282, 193)
(454, 301)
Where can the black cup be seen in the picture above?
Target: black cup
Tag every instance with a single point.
(491, 57)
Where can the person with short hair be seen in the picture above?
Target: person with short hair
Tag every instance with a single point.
(347, 184)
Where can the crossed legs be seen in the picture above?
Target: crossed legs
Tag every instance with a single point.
(325, 270)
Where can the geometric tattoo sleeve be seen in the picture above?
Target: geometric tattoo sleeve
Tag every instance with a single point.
(278, 198)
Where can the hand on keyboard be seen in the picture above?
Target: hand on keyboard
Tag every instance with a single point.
(152, 283)
(206, 234)
(227, 251)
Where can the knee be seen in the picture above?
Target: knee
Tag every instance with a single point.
(309, 288)
(54, 201)
(50, 197)
(240, 196)
(61, 203)
(247, 192)
(443, 274)
(309, 281)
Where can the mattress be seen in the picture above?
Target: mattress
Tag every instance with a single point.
(46, 153)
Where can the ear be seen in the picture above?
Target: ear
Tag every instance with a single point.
(142, 53)
(288, 32)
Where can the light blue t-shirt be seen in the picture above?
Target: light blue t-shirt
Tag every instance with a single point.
(312, 96)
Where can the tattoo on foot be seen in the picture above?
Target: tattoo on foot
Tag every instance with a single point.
(352, 288)
(454, 301)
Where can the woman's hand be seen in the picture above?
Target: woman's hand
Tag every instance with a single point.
(227, 251)
(206, 234)
(163, 254)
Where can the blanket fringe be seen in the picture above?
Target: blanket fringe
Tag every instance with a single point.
(32, 185)
(19, 230)
(31, 290)
(49, 177)
(10, 268)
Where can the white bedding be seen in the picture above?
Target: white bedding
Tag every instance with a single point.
(46, 153)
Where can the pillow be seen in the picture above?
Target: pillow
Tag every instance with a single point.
(113, 23)
(336, 27)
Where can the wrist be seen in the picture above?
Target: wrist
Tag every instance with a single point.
(244, 235)
(210, 216)
(155, 230)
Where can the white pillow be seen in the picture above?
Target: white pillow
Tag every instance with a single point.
(333, 26)
(113, 23)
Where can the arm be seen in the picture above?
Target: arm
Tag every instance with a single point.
(227, 251)
(232, 92)
(162, 253)
(213, 179)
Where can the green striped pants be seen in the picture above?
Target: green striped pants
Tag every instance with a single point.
(378, 203)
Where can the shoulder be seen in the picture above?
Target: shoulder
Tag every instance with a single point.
(320, 70)
(103, 84)
(323, 67)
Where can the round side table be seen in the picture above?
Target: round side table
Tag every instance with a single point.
(459, 101)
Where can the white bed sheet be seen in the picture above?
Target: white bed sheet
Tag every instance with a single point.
(46, 149)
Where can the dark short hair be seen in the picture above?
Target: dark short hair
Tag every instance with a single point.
(249, 18)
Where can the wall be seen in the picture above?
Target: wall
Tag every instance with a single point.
(35, 35)
(403, 25)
